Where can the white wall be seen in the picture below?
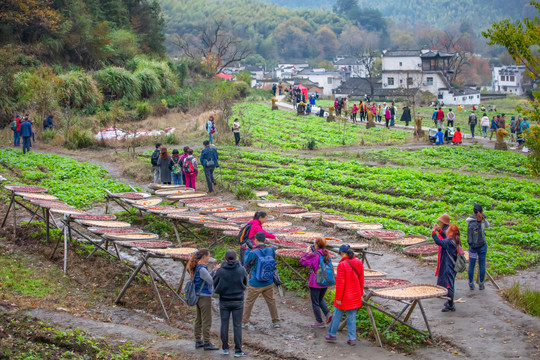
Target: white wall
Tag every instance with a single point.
(323, 80)
(405, 63)
(450, 99)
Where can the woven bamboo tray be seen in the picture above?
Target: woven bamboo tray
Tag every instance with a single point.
(373, 274)
(291, 210)
(286, 243)
(146, 202)
(384, 283)
(290, 253)
(65, 211)
(132, 237)
(245, 220)
(185, 216)
(188, 195)
(159, 209)
(205, 199)
(294, 216)
(49, 203)
(183, 253)
(334, 222)
(38, 196)
(202, 219)
(302, 236)
(131, 195)
(173, 211)
(25, 188)
(289, 229)
(221, 209)
(261, 193)
(174, 191)
(381, 234)
(232, 233)
(425, 249)
(312, 215)
(360, 226)
(333, 217)
(104, 224)
(411, 292)
(273, 204)
(236, 214)
(408, 240)
(165, 186)
(354, 246)
(198, 206)
(222, 227)
(145, 245)
(101, 217)
(101, 230)
(271, 225)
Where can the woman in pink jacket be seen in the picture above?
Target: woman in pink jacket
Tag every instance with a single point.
(387, 116)
(259, 219)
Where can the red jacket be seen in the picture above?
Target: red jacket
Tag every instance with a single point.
(349, 286)
(457, 137)
(18, 120)
(257, 227)
(440, 114)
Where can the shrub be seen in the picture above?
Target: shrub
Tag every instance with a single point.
(243, 192)
(78, 139)
(311, 144)
(144, 109)
(240, 89)
(160, 109)
(77, 89)
(170, 139)
(48, 135)
(532, 141)
(118, 83)
(167, 78)
(149, 80)
(524, 298)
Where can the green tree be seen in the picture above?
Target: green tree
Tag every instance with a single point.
(327, 43)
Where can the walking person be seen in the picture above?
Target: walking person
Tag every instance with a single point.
(484, 122)
(48, 123)
(379, 114)
(175, 166)
(387, 116)
(230, 283)
(406, 116)
(197, 268)
(449, 249)
(316, 255)
(26, 134)
(209, 161)
(236, 131)
(494, 126)
(393, 114)
(524, 127)
(434, 116)
(476, 238)
(440, 118)
(190, 167)
(182, 159)
(472, 123)
(354, 112)
(256, 226)
(16, 128)
(211, 129)
(261, 263)
(362, 111)
(163, 164)
(349, 292)
(513, 123)
(154, 161)
(451, 117)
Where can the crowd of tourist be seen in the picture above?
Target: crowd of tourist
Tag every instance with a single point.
(256, 273)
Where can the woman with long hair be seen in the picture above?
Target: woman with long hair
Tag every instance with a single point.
(211, 129)
(349, 292)
(312, 258)
(198, 270)
(450, 247)
(163, 164)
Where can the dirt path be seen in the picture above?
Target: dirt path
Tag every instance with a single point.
(483, 326)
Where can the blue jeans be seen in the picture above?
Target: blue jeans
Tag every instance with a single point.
(17, 138)
(211, 138)
(351, 322)
(26, 144)
(472, 130)
(484, 130)
(176, 178)
(481, 254)
(392, 121)
(157, 175)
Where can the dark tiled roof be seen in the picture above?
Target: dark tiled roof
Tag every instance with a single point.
(465, 91)
(436, 53)
(400, 53)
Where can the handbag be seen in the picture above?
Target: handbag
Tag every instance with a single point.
(209, 163)
(460, 264)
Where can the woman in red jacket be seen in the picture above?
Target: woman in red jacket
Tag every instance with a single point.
(349, 292)
(259, 219)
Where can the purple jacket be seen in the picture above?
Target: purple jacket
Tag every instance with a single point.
(312, 260)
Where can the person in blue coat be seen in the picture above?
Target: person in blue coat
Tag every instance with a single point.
(209, 161)
(450, 244)
(439, 137)
(26, 134)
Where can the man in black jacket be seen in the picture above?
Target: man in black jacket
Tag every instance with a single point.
(230, 282)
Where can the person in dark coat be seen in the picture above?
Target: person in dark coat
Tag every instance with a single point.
(230, 283)
(26, 134)
(406, 116)
(450, 247)
(209, 161)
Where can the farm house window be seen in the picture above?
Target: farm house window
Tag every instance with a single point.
(502, 77)
(400, 63)
(329, 80)
(390, 81)
(409, 81)
(429, 81)
(512, 78)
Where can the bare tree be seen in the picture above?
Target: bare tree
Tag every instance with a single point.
(217, 47)
(461, 46)
(367, 59)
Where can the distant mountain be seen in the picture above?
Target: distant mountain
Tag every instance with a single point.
(437, 13)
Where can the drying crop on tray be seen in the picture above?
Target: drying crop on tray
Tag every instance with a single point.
(403, 199)
(77, 183)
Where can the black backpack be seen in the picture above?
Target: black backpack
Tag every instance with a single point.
(243, 236)
(475, 236)
(155, 157)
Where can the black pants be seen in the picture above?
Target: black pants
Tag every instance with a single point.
(450, 123)
(362, 116)
(237, 138)
(354, 117)
(472, 129)
(318, 303)
(387, 122)
(236, 309)
(209, 174)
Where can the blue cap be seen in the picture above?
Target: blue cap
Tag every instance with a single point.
(343, 248)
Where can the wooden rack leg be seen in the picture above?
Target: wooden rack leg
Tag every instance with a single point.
(413, 305)
(157, 290)
(425, 319)
(9, 208)
(130, 280)
(374, 325)
(47, 223)
(14, 222)
(65, 244)
(398, 316)
(181, 283)
(293, 269)
(492, 280)
(176, 233)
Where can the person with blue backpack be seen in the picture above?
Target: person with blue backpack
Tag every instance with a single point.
(261, 265)
(202, 278)
(320, 278)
